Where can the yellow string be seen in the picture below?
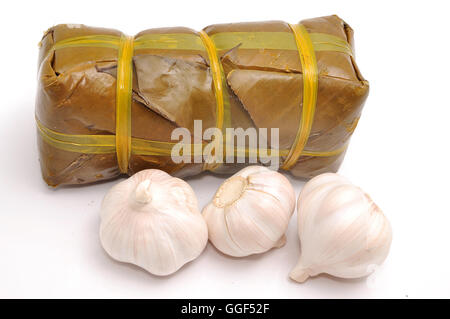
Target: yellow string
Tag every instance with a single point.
(87, 144)
(169, 41)
(123, 102)
(223, 116)
(216, 72)
(310, 85)
(222, 41)
(105, 41)
(277, 41)
(105, 144)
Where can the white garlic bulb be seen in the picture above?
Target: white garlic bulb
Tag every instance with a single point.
(250, 212)
(152, 220)
(342, 231)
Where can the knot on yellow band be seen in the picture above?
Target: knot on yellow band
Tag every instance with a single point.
(123, 101)
(310, 85)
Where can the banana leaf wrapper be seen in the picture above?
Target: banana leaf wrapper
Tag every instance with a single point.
(172, 85)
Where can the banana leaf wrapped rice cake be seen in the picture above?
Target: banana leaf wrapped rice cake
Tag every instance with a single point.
(107, 103)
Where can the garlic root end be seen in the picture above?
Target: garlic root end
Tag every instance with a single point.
(230, 191)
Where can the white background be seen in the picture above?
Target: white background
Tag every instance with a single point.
(399, 154)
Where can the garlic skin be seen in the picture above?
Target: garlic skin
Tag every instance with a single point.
(250, 212)
(342, 231)
(152, 220)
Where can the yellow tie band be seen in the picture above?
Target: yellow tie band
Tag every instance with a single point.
(216, 74)
(310, 85)
(100, 41)
(105, 144)
(277, 41)
(222, 41)
(219, 83)
(123, 102)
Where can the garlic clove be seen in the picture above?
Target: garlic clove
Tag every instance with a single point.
(152, 220)
(250, 212)
(342, 231)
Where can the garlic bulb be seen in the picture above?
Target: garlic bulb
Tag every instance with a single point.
(250, 212)
(342, 231)
(152, 220)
